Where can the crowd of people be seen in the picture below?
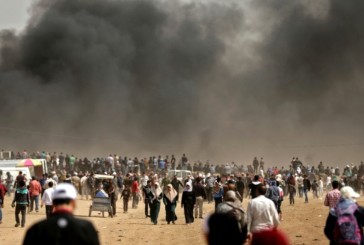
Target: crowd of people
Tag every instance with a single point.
(148, 181)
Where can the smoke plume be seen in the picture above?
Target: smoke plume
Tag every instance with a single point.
(218, 80)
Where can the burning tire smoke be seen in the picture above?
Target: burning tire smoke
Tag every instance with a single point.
(221, 80)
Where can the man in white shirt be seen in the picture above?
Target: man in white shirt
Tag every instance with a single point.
(261, 213)
(49, 179)
(47, 199)
(144, 179)
(328, 183)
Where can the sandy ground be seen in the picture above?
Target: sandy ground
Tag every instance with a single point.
(303, 223)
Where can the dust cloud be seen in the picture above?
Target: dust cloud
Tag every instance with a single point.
(218, 80)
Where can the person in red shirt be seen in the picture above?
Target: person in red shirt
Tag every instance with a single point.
(3, 190)
(34, 189)
(135, 192)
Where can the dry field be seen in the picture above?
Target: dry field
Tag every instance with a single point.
(303, 223)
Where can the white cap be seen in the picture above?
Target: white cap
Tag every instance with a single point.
(114, 173)
(348, 193)
(64, 191)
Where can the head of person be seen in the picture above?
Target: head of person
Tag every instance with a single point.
(33, 177)
(348, 193)
(231, 184)
(230, 196)
(261, 189)
(149, 183)
(21, 183)
(50, 184)
(20, 173)
(256, 177)
(223, 228)
(188, 186)
(335, 184)
(64, 197)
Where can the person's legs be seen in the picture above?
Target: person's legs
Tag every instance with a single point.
(200, 206)
(23, 215)
(17, 211)
(158, 206)
(306, 198)
(136, 200)
(146, 207)
(31, 204)
(113, 207)
(173, 213)
(9, 189)
(217, 202)
(125, 206)
(48, 210)
(1, 213)
(133, 205)
(36, 199)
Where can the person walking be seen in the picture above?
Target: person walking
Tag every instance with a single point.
(218, 193)
(253, 186)
(291, 189)
(125, 194)
(3, 191)
(147, 195)
(111, 191)
(135, 192)
(200, 194)
(232, 206)
(209, 187)
(35, 190)
(85, 188)
(62, 227)
(306, 187)
(9, 182)
(273, 193)
(261, 213)
(299, 182)
(188, 203)
(351, 230)
(47, 199)
(176, 183)
(333, 196)
(240, 186)
(155, 202)
(170, 202)
(21, 198)
(18, 178)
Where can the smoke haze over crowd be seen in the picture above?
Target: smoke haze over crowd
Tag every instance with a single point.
(219, 80)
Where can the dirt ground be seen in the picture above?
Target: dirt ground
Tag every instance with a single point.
(303, 224)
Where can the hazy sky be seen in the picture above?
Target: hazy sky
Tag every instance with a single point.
(218, 80)
(13, 13)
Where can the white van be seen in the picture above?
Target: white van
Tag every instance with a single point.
(181, 174)
(38, 170)
(15, 172)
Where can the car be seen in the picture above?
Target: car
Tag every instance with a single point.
(181, 174)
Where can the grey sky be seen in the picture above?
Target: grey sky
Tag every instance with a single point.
(13, 13)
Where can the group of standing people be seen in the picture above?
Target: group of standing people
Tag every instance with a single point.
(192, 199)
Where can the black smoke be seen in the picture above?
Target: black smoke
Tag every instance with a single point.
(219, 80)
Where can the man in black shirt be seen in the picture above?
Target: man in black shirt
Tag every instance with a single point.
(62, 227)
(200, 194)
